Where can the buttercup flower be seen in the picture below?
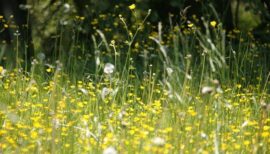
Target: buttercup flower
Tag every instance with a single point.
(213, 23)
(2, 70)
(132, 6)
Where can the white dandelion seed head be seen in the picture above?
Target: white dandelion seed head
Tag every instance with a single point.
(110, 150)
(158, 141)
(66, 7)
(108, 68)
(203, 135)
(41, 56)
(207, 90)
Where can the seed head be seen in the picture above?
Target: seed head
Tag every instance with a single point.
(109, 68)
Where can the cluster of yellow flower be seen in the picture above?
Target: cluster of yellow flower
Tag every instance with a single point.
(83, 117)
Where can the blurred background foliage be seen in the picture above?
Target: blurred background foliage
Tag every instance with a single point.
(68, 28)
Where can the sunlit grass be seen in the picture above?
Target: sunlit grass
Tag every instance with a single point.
(136, 117)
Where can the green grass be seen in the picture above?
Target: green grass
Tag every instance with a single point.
(189, 91)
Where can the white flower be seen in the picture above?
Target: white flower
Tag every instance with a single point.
(189, 77)
(207, 90)
(104, 92)
(219, 90)
(66, 7)
(110, 150)
(169, 71)
(158, 141)
(41, 56)
(109, 68)
(203, 135)
(245, 124)
(84, 91)
(97, 61)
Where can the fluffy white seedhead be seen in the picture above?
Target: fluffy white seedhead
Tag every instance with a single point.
(41, 56)
(66, 7)
(109, 68)
(110, 150)
(207, 90)
(158, 141)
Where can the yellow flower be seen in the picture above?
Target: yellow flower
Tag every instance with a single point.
(132, 6)
(82, 18)
(190, 25)
(265, 134)
(1, 69)
(246, 142)
(36, 125)
(237, 146)
(34, 135)
(213, 23)
(188, 128)
(49, 70)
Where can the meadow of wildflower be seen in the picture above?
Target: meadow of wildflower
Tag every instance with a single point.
(136, 88)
